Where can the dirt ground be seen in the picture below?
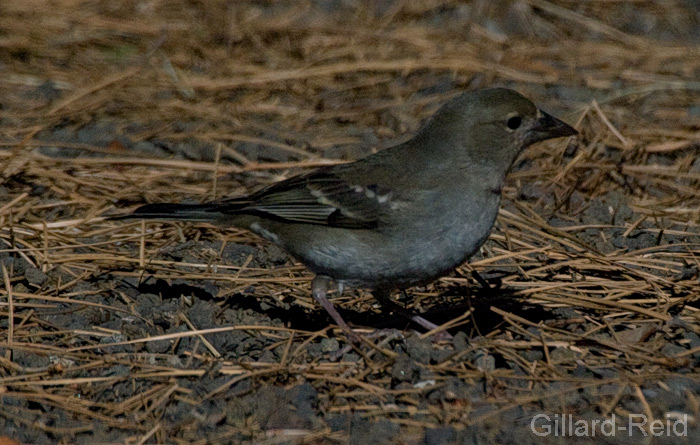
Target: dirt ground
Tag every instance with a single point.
(125, 332)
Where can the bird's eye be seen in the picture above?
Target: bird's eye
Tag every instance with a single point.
(514, 122)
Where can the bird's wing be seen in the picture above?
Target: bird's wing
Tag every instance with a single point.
(322, 197)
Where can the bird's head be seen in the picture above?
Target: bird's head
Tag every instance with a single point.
(492, 126)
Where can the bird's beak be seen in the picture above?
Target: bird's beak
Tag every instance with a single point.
(547, 127)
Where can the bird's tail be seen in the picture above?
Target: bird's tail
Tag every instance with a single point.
(180, 212)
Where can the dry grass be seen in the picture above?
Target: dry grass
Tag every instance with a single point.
(299, 82)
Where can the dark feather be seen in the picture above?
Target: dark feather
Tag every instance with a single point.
(321, 197)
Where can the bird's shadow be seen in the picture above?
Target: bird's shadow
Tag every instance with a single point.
(455, 301)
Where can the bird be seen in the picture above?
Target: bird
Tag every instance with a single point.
(400, 217)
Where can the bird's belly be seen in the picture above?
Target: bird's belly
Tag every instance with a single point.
(396, 259)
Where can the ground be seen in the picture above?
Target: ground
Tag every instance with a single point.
(582, 305)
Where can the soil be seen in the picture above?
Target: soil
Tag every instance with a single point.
(582, 305)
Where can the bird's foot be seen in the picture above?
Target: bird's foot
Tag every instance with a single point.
(319, 289)
(387, 334)
(382, 296)
(437, 336)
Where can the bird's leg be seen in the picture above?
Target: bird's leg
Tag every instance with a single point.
(420, 321)
(319, 289)
(382, 295)
(479, 279)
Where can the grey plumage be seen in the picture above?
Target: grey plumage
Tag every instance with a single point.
(401, 217)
